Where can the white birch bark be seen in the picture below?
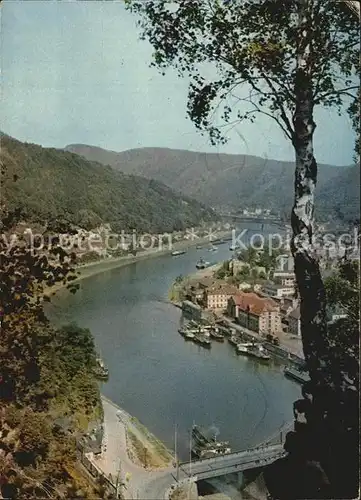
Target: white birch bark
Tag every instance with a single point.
(309, 281)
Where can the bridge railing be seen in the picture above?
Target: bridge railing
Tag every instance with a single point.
(214, 460)
(228, 469)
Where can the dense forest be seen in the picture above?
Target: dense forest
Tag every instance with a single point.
(54, 403)
(55, 184)
(49, 394)
(235, 181)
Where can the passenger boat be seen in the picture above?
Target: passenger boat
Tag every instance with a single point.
(296, 375)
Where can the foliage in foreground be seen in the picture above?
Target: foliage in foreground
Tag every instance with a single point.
(42, 420)
(45, 375)
(324, 446)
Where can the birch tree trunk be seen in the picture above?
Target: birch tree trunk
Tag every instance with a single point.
(308, 276)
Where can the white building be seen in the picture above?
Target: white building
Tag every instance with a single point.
(285, 278)
(277, 291)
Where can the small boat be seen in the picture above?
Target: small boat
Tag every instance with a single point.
(202, 264)
(187, 334)
(178, 252)
(216, 334)
(233, 339)
(258, 354)
(213, 249)
(202, 340)
(244, 348)
(198, 247)
(101, 372)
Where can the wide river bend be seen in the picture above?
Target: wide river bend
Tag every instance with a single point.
(157, 376)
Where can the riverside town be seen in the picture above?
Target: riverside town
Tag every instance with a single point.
(180, 250)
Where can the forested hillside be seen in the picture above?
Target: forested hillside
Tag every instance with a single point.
(54, 184)
(232, 181)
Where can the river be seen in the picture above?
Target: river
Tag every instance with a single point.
(159, 377)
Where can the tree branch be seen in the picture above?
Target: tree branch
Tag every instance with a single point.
(337, 92)
(284, 116)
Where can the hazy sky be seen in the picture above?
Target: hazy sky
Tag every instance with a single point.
(76, 72)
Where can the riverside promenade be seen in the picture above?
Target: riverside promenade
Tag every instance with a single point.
(135, 481)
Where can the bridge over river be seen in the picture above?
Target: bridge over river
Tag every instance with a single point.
(263, 454)
(233, 462)
(253, 220)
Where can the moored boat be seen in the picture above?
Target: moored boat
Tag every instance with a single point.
(256, 352)
(243, 348)
(202, 340)
(187, 334)
(233, 339)
(297, 375)
(217, 335)
(101, 372)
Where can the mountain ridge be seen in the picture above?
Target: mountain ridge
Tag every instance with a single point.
(53, 183)
(226, 181)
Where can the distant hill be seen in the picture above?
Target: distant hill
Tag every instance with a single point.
(230, 181)
(341, 196)
(57, 184)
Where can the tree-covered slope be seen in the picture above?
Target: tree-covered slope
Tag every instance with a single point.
(53, 184)
(229, 181)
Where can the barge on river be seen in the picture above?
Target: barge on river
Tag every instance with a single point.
(178, 252)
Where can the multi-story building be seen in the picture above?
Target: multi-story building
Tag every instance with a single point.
(278, 291)
(286, 279)
(216, 298)
(259, 314)
(287, 304)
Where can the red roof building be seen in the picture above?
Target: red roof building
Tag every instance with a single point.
(262, 315)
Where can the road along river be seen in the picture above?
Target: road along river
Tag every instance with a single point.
(157, 376)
